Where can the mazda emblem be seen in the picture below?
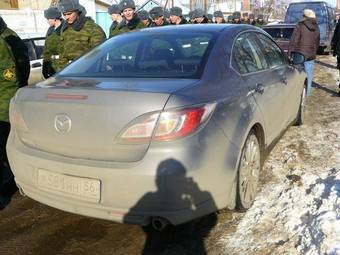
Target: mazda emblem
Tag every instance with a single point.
(62, 123)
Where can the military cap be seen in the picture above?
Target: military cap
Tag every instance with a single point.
(260, 16)
(230, 18)
(198, 13)
(218, 14)
(114, 9)
(52, 13)
(245, 14)
(176, 11)
(237, 15)
(156, 12)
(69, 5)
(191, 15)
(143, 15)
(251, 16)
(124, 4)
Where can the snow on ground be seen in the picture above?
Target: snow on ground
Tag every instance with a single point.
(298, 208)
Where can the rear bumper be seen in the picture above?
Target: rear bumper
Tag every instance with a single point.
(179, 183)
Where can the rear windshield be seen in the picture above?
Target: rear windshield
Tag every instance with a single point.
(295, 12)
(146, 55)
(280, 33)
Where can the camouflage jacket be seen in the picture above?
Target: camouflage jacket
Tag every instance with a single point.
(113, 28)
(124, 27)
(8, 79)
(78, 38)
(52, 51)
(19, 51)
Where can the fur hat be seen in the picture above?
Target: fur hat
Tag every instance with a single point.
(52, 13)
(143, 15)
(308, 13)
(218, 14)
(198, 13)
(114, 9)
(69, 5)
(125, 4)
(237, 15)
(176, 11)
(156, 12)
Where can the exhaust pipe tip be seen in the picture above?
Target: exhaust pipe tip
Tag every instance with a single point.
(159, 223)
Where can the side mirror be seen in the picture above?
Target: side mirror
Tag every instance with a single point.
(296, 58)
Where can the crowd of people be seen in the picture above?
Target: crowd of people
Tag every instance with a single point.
(72, 33)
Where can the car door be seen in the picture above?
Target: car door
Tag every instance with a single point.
(286, 73)
(263, 83)
(35, 48)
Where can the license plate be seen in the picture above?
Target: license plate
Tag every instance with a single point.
(81, 188)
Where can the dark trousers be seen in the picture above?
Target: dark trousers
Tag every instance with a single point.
(7, 183)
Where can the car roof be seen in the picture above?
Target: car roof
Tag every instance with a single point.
(280, 25)
(200, 28)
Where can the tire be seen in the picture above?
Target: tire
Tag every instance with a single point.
(300, 118)
(248, 172)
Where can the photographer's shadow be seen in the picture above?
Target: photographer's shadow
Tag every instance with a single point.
(176, 194)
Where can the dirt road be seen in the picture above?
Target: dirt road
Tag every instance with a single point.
(28, 227)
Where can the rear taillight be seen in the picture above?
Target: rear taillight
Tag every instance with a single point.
(15, 117)
(167, 125)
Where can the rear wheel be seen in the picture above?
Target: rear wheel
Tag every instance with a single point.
(248, 172)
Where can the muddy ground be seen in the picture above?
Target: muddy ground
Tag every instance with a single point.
(28, 227)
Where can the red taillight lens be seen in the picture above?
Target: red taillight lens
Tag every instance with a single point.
(170, 125)
(15, 117)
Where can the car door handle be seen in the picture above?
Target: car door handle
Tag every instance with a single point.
(259, 88)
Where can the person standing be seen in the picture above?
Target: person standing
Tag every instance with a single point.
(145, 18)
(52, 49)
(19, 51)
(9, 83)
(176, 17)
(79, 33)
(157, 16)
(305, 40)
(131, 20)
(114, 12)
(199, 16)
(219, 19)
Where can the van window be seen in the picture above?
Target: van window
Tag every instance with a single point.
(295, 12)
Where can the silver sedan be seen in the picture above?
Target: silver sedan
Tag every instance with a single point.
(161, 125)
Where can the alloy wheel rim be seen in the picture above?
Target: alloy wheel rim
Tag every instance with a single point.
(249, 171)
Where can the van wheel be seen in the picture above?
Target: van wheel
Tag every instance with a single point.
(248, 172)
(300, 118)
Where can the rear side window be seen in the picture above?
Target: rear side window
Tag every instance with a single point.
(271, 51)
(247, 56)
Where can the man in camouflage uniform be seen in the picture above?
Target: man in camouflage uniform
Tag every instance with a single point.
(259, 21)
(131, 20)
(114, 11)
(19, 51)
(252, 19)
(157, 16)
(9, 83)
(145, 18)
(176, 17)
(79, 33)
(52, 47)
(199, 16)
(219, 19)
(236, 18)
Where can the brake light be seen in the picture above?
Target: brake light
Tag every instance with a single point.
(170, 124)
(15, 117)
